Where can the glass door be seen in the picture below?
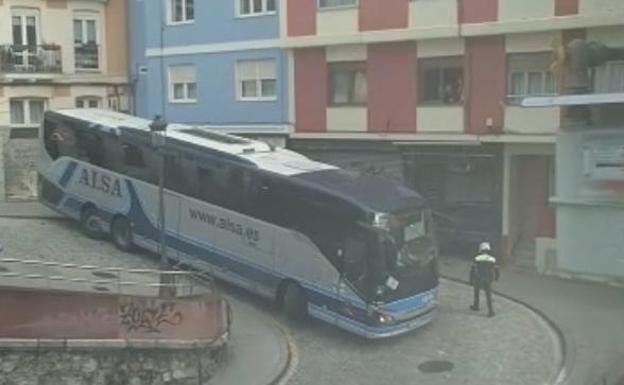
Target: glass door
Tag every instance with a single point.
(25, 39)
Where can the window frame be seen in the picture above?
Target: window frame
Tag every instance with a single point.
(526, 63)
(185, 20)
(335, 7)
(351, 66)
(607, 70)
(88, 99)
(258, 81)
(26, 101)
(440, 64)
(84, 17)
(252, 13)
(171, 86)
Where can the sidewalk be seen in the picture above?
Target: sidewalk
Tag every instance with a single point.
(30, 209)
(591, 317)
(259, 351)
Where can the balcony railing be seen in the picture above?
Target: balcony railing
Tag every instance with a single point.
(30, 58)
(87, 56)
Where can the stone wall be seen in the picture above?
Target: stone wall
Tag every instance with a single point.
(109, 366)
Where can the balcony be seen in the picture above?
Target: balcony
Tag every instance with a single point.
(30, 58)
(87, 57)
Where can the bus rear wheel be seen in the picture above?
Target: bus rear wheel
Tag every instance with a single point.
(91, 223)
(295, 303)
(121, 233)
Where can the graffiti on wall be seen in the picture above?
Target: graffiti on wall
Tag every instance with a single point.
(148, 315)
(20, 171)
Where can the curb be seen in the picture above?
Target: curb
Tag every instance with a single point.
(292, 359)
(566, 352)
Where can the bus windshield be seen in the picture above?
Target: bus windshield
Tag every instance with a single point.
(393, 263)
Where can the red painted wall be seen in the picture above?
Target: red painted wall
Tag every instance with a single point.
(534, 180)
(35, 314)
(566, 7)
(386, 14)
(391, 74)
(486, 81)
(301, 17)
(478, 11)
(310, 90)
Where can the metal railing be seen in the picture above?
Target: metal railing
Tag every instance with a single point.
(17, 58)
(87, 56)
(112, 280)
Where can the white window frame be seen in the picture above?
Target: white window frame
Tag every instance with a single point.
(169, 12)
(26, 106)
(23, 13)
(87, 99)
(264, 12)
(516, 98)
(331, 7)
(258, 79)
(604, 82)
(83, 17)
(186, 99)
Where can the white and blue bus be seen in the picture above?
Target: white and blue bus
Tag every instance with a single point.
(354, 250)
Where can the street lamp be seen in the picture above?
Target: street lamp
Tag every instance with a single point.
(158, 133)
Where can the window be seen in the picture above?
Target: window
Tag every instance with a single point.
(181, 11)
(256, 7)
(256, 80)
(182, 85)
(88, 102)
(441, 80)
(610, 77)
(133, 156)
(347, 84)
(25, 37)
(335, 3)
(26, 112)
(86, 49)
(529, 75)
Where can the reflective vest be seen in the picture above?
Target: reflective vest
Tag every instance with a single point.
(484, 269)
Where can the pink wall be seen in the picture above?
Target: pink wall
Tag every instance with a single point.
(566, 7)
(301, 17)
(35, 314)
(486, 82)
(386, 14)
(478, 11)
(392, 93)
(310, 90)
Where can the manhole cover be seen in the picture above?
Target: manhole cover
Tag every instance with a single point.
(100, 288)
(436, 366)
(105, 275)
(3, 269)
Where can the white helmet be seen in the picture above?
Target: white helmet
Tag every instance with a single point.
(485, 246)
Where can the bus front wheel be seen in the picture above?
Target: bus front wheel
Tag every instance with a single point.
(91, 223)
(295, 302)
(121, 232)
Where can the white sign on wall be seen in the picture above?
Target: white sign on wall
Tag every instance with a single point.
(604, 160)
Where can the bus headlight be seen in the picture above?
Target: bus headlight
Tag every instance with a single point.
(385, 319)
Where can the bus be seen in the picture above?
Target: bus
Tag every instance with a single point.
(350, 249)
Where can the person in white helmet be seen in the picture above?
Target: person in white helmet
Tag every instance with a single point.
(483, 272)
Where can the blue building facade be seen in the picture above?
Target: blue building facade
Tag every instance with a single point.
(213, 63)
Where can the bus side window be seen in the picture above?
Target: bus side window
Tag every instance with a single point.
(205, 184)
(133, 156)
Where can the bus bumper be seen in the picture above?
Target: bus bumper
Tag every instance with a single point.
(407, 315)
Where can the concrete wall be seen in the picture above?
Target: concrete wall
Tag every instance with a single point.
(589, 209)
(92, 364)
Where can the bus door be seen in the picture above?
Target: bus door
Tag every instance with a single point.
(354, 277)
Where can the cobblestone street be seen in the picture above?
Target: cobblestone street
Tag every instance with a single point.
(515, 347)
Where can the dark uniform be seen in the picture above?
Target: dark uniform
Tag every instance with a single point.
(483, 272)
